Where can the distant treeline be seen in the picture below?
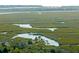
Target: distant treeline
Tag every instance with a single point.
(37, 8)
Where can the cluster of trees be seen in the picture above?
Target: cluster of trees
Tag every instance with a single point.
(20, 45)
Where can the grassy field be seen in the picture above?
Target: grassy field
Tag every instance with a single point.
(67, 33)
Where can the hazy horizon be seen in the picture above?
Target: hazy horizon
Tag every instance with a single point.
(41, 2)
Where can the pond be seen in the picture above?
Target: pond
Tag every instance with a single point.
(3, 33)
(30, 26)
(23, 25)
(47, 41)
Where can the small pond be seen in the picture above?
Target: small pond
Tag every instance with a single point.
(47, 41)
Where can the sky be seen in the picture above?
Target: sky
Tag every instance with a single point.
(41, 2)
